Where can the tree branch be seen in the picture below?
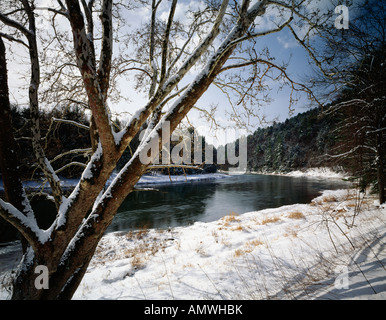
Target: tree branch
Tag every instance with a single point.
(152, 62)
(34, 107)
(260, 34)
(107, 47)
(16, 25)
(139, 118)
(25, 225)
(74, 123)
(85, 151)
(70, 164)
(87, 68)
(165, 41)
(10, 38)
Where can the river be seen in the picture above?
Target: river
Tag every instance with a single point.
(185, 203)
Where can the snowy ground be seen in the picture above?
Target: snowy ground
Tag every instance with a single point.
(321, 250)
(319, 172)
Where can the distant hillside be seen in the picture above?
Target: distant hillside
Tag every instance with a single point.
(298, 143)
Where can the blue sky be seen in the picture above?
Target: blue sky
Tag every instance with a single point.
(282, 45)
(285, 49)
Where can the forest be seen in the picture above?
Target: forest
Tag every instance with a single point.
(302, 141)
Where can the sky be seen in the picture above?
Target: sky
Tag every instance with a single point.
(282, 45)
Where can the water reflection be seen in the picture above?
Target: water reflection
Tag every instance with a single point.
(183, 204)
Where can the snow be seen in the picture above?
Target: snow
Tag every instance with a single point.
(320, 250)
(318, 172)
(282, 253)
(147, 179)
(62, 217)
(166, 179)
(118, 136)
(29, 222)
(87, 173)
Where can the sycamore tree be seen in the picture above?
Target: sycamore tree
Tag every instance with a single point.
(76, 50)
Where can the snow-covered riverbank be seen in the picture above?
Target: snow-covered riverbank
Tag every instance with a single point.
(159, 179)
(319, 173)
(145, 180)
(319, 250)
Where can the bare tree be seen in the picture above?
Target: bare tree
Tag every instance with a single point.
(355, 63)
(214, 41)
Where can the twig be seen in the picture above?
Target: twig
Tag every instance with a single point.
(214, 286)
(167, 275)
(140, 287)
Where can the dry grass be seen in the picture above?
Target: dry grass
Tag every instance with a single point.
(137, 262)
(138, 234)
(230, 218)
(291, 234)
(330, 198)
(296, 215)
(325, 200)
(238, 228)
(201, 250)
(254, 243)
(248, 248)
(239, 253)
(146, 246)
(270, 220)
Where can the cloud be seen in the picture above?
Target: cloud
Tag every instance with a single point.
(287, 42)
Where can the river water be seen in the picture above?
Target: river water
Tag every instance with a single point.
(185, 203)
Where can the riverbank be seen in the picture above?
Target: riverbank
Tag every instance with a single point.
(321, 250)
(145, 180)
(317, 172)
(327, 249)
(158, 179)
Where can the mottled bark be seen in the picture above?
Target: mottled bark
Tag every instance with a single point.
(96, 100)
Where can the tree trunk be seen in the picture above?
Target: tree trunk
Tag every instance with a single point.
(8, 157)
(67, 249)
(380, 169)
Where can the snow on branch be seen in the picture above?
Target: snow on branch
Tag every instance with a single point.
(85, 58)
(350, 152)
(166, 41)
(375, 131)
(260, 34)
(27, 226)
(77, 124)
(202, 47)
(107, 203)
(169, 84)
